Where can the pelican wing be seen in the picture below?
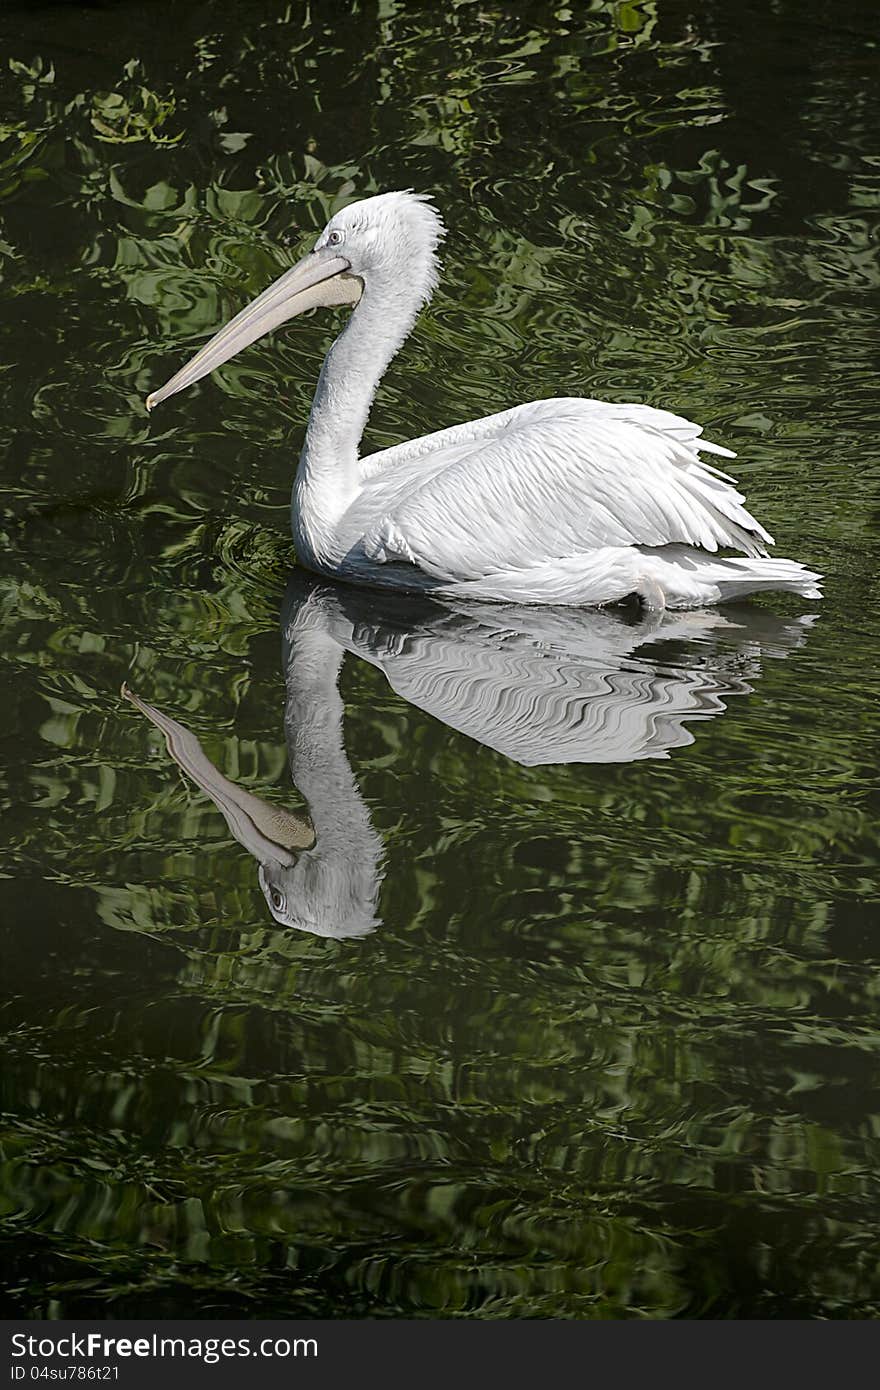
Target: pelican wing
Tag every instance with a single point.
(549, 480)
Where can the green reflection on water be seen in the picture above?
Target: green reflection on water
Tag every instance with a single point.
(613, 1050)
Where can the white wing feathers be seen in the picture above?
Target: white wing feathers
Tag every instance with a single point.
(546, 480)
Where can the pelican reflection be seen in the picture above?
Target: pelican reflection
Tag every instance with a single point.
(537, 685)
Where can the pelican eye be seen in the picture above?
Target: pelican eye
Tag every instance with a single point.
(334, 239)
(277, 899)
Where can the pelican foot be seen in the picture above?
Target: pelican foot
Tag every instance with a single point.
(652, 597)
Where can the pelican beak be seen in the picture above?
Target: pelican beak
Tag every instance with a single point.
(269, 833)
(321, 278)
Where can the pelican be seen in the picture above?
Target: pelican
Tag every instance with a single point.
(319, 872)
(535, 685)
(564, 501)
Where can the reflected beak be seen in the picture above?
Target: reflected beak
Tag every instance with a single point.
(270, 833)
(321, 278)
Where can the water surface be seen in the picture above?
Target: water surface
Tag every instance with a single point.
(600, 1038)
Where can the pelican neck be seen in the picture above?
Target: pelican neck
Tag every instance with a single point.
(351, 372)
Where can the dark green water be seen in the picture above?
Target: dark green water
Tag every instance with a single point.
(612, 1049)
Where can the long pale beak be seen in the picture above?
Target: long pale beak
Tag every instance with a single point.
(320, 278)
(269, 833)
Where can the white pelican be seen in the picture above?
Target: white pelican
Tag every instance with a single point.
(564, 501)
(538, 685)
(320, 872)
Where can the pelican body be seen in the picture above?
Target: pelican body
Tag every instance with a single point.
(562, 501)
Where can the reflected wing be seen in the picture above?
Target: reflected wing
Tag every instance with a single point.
(547, 685)
(548, 480)
(568, 692)
(537, 710)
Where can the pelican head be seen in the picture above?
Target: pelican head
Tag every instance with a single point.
(322, 894)
(373, 243)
